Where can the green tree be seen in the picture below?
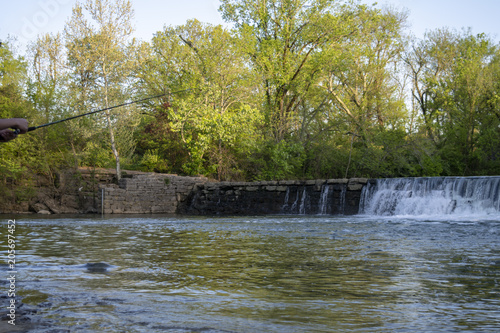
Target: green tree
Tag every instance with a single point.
(18, 161)
(454, 82)
(282, 39)
(47, 92)
(99, 55)
(214, 111)
(363, 84)
(361, 79)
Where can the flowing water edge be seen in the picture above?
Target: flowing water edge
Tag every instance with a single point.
(364, 273)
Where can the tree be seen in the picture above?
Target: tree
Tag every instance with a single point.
(361, 79)
(282, 39)
(361, 84)
(429, 61)
(47, 92)
(19, 158)
(47, 56)
(99, 56)
(205, 63)
(454, 81)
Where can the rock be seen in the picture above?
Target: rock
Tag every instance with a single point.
(97, 267)
(251, 188)
(337, 181)
(37, 207)
(359, 180)
(355, 187)
(51, 204)
(90, 210)
(70, 201)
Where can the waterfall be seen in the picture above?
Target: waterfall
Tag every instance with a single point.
(323, 201)
(302, 208)
(342, 199)
(294, 205)
(432, 196)
(285, 203)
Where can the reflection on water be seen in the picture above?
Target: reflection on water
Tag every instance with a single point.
(271, 274)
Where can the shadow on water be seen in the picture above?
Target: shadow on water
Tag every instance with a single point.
(268, 274)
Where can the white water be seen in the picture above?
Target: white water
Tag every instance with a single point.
(294, 205)
(342, 199)
(323, 202)
(433, 196)
(302, 208)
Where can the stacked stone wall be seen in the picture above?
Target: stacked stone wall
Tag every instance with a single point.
(326, 196)
(147, 194)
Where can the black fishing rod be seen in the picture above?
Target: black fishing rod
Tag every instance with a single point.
(105, 109)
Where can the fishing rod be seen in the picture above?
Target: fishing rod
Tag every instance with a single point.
(105, 109)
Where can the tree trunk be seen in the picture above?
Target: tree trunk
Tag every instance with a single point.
(112, 139)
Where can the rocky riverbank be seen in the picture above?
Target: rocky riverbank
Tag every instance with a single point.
(72, 191)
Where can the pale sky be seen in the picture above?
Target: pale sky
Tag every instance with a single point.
(28, 18)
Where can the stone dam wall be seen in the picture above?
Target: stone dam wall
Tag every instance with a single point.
(97, 191)
(326, 197)
(147, 194)
(170, 194)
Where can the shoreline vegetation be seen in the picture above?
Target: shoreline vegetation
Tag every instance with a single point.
(325, 91)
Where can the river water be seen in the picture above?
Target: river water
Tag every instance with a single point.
(259, 274)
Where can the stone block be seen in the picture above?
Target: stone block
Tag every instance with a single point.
(358, 180)
(288, 182)
(354, 187)
(251, 188)
(337, 181)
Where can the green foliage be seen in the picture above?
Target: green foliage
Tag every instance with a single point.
(298, 89)
(284, 40)
(95, 155)
(457, 86)
(394, 152)
(275, 161)
(152, 162)
(99, 48)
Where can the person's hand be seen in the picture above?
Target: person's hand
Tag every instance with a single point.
(6, 135)
(21, 124)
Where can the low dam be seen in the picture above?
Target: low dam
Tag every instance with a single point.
(153, 193)
(157, 193)
(310, 197)
(150, 193)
